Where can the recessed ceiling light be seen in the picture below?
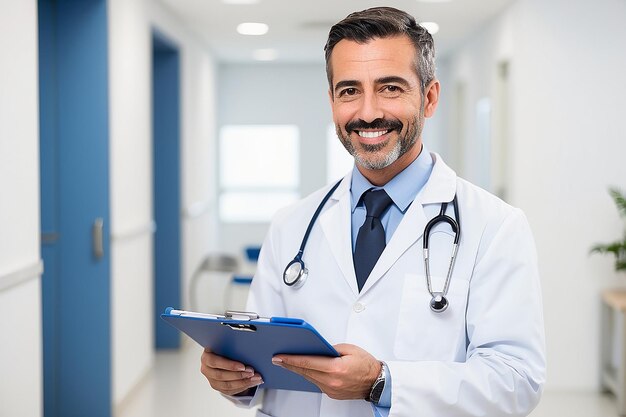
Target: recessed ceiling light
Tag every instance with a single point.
(240, 1)
(252, 28)
(431, 27)
(268, 54)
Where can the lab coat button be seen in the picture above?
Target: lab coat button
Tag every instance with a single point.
(358, 307)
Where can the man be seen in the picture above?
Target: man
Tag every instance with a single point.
(413, 342)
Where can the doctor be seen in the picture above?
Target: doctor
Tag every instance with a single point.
(428, 338)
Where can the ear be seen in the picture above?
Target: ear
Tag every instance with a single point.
(431, 98)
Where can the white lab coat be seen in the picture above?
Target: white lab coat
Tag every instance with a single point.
(483, 356)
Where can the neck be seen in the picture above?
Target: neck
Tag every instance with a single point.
(380, 177)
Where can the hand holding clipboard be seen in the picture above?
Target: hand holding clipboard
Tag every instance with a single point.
(253, 341)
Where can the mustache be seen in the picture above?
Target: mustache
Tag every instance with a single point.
(376, 124)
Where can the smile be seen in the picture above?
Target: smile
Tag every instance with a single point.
(375, 134)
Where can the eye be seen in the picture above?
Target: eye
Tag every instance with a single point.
(348, 92)
(391, 90)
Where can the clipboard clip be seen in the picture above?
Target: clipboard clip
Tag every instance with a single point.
(242, 327)
(241, 315)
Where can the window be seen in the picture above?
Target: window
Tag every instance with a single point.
(258, 171)
(339, 161)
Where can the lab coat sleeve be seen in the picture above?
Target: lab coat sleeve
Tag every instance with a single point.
(504, 369)
(247, 401)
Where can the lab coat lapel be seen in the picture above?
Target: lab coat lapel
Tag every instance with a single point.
(337, 224)
(441, 187)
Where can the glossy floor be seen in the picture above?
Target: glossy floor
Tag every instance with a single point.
(175, 387)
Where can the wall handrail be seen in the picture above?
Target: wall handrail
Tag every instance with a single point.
(134, 232)
(21, 275)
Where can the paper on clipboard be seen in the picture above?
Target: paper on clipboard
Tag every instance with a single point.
(253, 340)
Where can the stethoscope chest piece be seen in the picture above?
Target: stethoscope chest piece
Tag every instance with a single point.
(439, 303)
(295, 274)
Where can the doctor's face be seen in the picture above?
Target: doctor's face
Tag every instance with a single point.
(377, 105)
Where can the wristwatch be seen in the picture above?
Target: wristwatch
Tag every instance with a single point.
(378, 386)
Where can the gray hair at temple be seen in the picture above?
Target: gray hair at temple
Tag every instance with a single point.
(385, 22)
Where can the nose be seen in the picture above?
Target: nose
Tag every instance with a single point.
(369, 109)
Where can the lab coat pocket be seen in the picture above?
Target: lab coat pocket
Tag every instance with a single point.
(423, 334)
(260, 413)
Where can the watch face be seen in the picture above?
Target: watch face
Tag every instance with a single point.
(377, 391)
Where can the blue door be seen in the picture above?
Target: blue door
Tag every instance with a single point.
(75, 207)
(166, 184)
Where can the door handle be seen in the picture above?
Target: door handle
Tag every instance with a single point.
(97, 235)
(49, 238)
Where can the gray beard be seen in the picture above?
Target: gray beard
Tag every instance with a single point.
(403, 144)
(362, 159)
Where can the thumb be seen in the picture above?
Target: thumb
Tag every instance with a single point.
(346, 349)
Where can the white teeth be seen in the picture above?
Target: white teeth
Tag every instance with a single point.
(372, 134)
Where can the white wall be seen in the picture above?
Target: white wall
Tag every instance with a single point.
(276, 94)
(198, 142)
(130, 68)
(131, 193)
(20, 267)
(568, 93)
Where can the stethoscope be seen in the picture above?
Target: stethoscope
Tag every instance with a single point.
(296, 273)
(439, 302)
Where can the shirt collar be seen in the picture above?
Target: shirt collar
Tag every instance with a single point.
(402, 188)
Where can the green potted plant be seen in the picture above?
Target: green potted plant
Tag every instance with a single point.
(617, 248)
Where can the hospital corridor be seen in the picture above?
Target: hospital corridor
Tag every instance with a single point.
(445, 232)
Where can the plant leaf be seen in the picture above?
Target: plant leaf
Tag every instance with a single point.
(614, 248)
(619, 199)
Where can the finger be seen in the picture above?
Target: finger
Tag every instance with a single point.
(235, 387)
(318, 363)
(216, 361)
(222, 375)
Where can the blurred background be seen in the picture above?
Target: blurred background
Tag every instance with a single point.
(145, 145)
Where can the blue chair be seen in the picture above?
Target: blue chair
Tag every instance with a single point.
(252, 253)
(237, 290)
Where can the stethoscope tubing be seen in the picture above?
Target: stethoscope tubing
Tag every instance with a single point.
(314, 219)
(298, 281)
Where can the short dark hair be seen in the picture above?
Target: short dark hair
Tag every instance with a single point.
(385, 22)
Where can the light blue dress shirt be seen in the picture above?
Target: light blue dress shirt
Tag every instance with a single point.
(403, 188)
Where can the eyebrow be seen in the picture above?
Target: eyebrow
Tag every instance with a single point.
(382, 80)
(346, 83)
(393, 79)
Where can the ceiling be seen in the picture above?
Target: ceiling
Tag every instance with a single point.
(298, 28)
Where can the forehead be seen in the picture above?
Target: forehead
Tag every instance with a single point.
(377, 58)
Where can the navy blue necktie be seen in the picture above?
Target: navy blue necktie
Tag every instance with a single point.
(370, 242)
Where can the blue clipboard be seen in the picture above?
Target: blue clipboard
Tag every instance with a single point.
(247, 338)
